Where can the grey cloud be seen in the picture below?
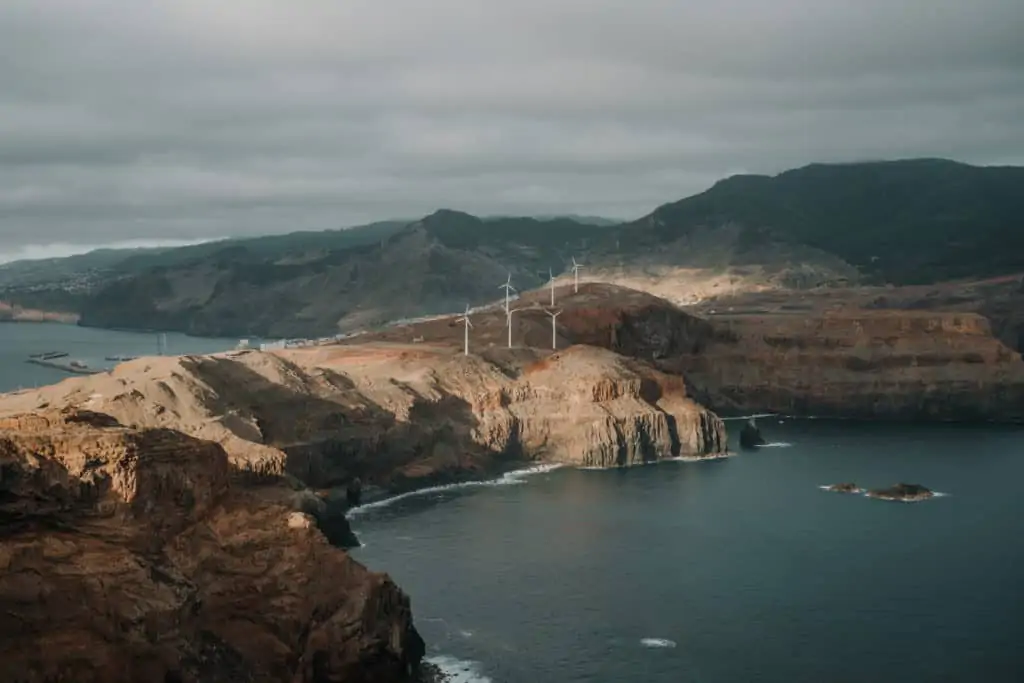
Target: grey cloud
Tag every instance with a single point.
(126, 120)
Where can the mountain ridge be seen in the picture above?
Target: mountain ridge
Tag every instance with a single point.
(899, 222)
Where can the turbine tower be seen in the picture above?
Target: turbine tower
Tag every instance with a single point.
(576, 275)
(508, 291)
(554, 338)
(508, 321)
(551, 281)
(465, 319)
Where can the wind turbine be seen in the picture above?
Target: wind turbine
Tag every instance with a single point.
(551, 281)
(465, 319)
(508, 290)
(554, 338)
(576, 275)
(508, 321)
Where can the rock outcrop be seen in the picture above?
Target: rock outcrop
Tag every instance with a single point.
(133, 555)
(902, 492)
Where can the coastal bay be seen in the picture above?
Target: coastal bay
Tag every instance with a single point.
(729, 570)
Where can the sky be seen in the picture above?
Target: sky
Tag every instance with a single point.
(181, 120)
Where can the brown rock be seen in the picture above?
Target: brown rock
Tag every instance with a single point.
(137, 555)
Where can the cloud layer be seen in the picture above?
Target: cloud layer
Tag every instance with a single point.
(125, 120)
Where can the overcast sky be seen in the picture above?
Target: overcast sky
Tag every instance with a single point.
(188, 119)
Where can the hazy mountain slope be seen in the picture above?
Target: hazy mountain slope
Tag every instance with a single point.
(910, 221)
(81, 268)
(438, 264)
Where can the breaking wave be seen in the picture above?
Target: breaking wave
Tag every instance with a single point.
(776, 444)
(680, 458)
(458, 670)
(657, 642)
(509, 478)
(756, 416)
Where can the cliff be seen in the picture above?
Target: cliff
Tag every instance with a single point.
(140, 555)
(871, 364)
(402, 415)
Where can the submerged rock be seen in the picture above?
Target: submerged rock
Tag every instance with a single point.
(750, 435)
(846, 487)
(901, 491)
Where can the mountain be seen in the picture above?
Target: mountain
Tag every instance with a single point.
(900, 222)
(903, 222)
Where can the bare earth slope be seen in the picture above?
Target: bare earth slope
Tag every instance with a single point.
(131, 555)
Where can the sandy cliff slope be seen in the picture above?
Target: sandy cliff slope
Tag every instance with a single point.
(131, 555)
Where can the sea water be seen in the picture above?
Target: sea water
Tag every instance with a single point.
(89, 345)
(734, 570)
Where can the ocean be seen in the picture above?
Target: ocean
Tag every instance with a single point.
(89, 345)
(728, 571)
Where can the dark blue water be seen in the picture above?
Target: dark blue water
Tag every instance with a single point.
(744, 568)
(91, 346)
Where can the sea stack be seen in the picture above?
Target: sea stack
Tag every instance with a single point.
(750, 435)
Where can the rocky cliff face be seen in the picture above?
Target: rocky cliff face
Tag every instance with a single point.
(402, 416)
(138, 555)
(872, 364)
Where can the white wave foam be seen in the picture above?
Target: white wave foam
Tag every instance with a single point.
(657, 642)
(680, 458)
(509, 478)
(776, 444)
(747, 417)
(458, 670)
(700, 458)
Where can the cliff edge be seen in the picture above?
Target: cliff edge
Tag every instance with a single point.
(402, 416)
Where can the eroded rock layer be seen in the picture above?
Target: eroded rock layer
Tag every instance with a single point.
(872, 364)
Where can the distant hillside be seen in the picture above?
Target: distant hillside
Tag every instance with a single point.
(137, 260)
(437, 264)
(913, 221)
(821, 225)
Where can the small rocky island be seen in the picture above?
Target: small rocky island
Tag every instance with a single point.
(750, 436)
(846, 487)
(904, 492)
